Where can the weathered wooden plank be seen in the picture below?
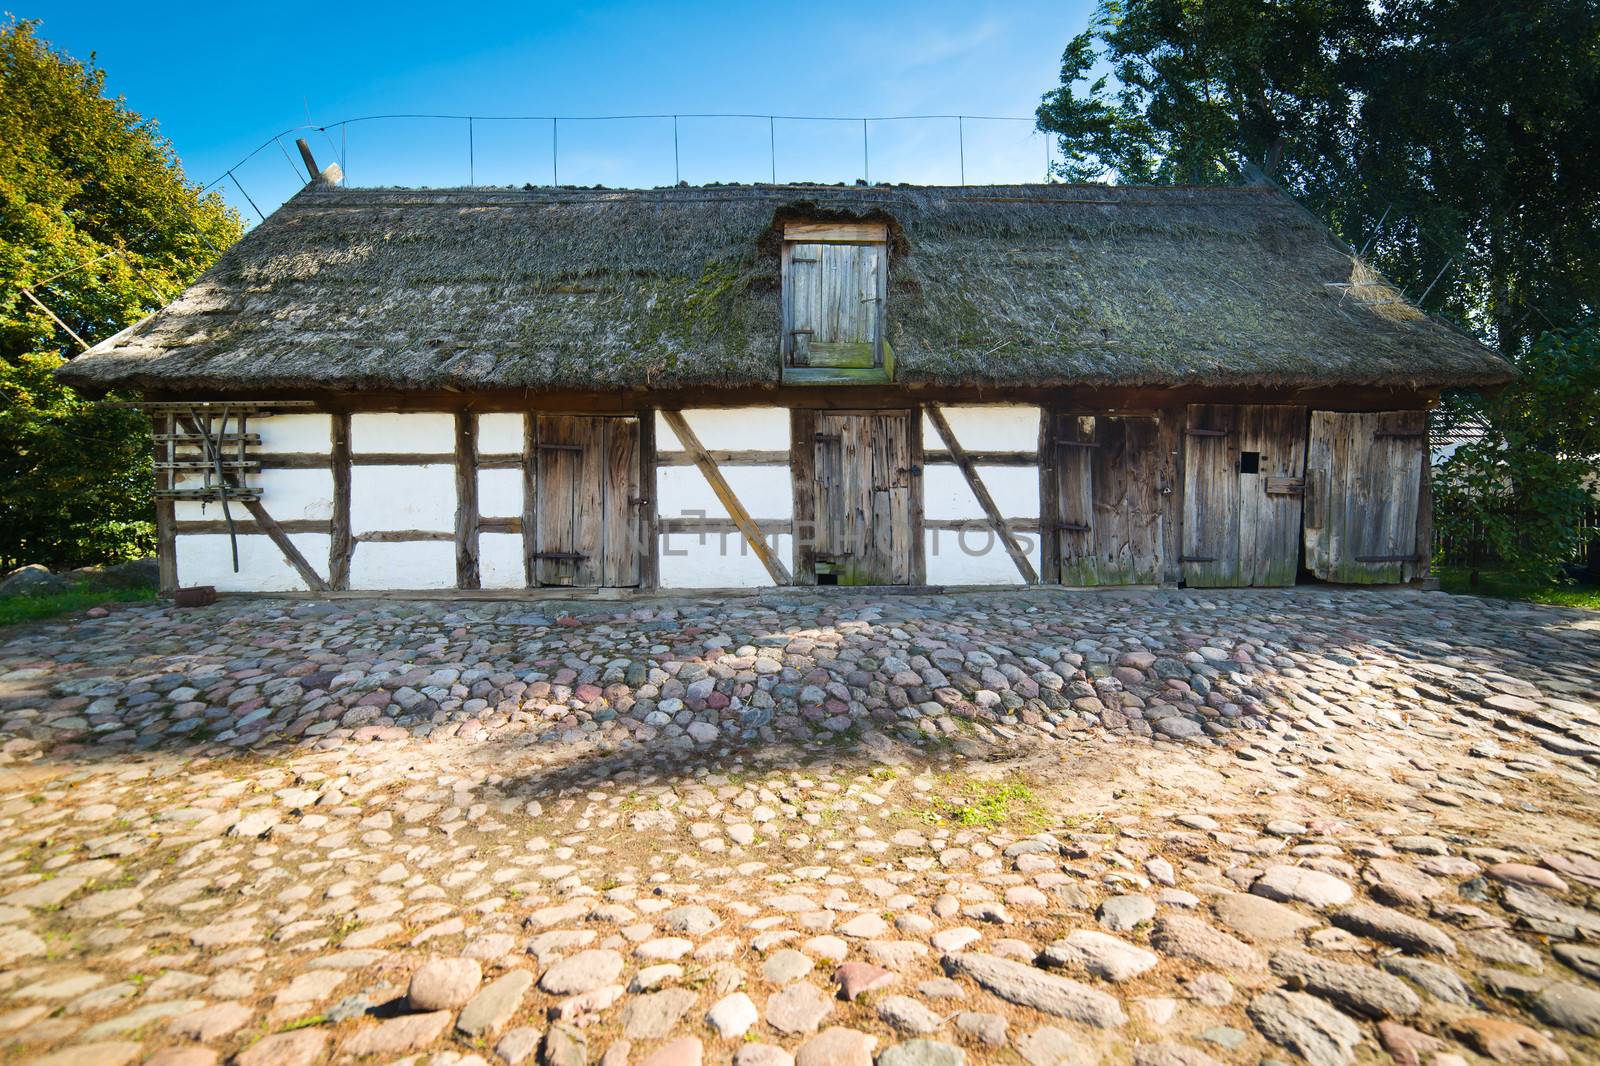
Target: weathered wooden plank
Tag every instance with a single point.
(467, 517)
(1210, 554)
(619, 550)
(1369, 469)
(1269, 525)
(591, 516)
(500, 525)
(871, 232)
(557, 522)
(991, 512)
(708, 469)
(1169, 483)
(1074, 516)
(692, 524)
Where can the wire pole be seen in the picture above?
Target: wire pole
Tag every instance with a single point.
(961, 145)
(772, 145)
(677, 175)
(555, 174)
(866, 170)
(472, 155)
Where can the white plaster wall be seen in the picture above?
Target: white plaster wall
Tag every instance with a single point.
(721, 562)
(294, 433)
(989, 428)
(500, 434)
(403, 497)
(287, 495)
(499, 493)
(500, 563)
(207, 559)
(384, 431)
(731, 428)
(946, 494)
(975, 557)
(765, 491)
(416, 564)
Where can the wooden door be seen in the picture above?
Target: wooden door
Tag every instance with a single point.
(586, 496)
(1364, 485)
(1108, 489)
(1243, 477)
(835, 299)
(866, 475)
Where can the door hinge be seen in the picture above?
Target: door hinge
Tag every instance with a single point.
(560, 556)
(1197, 558)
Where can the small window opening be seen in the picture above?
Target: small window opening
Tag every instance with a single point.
(827, 579)
(1249, 462)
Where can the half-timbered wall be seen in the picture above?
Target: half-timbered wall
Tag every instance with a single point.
(301, 500)
(699, 545)
(960, 545)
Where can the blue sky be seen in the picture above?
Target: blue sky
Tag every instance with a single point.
(223, 79)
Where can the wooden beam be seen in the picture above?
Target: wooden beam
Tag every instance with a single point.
(941, 455)
(725, 457)
(340, 545)
(979, 490)
(292, 525)
(270, 527)
(713, 476)
(403, 458)
(530, 498)
(403, 536)
(836, 232)
(467, 517)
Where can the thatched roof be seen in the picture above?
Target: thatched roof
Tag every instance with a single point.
(574, 288)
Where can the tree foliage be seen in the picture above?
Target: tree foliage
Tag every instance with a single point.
(1453, 141)
(97, 220)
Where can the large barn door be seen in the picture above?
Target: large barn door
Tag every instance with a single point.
(586, 478)
(1243, 478)
(864, 486)
(1363, 492)
(1108, 490)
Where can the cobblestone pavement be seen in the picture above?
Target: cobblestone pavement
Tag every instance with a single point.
(1167, 828)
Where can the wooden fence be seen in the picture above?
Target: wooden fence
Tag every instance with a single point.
(1472, 548)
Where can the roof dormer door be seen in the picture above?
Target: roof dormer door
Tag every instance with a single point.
(835, 282)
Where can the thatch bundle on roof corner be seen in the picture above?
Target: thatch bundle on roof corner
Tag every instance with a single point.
(584, 289)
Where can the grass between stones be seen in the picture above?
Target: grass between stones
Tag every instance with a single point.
(15, 609)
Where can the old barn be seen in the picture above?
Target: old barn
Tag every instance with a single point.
(476, 389)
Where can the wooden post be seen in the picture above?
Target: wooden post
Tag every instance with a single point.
(959, 455)
(340, 545)
(166, 510)
(919, 559)
(741, 518)
(467, 517)
(648, 523)
(803, 468)
(530, 498)
(1049, 500)
(307, 158)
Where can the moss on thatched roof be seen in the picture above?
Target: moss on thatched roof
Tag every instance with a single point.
(569, 288)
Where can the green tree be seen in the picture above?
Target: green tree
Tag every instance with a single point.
(98, 221)
(1453, 141)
